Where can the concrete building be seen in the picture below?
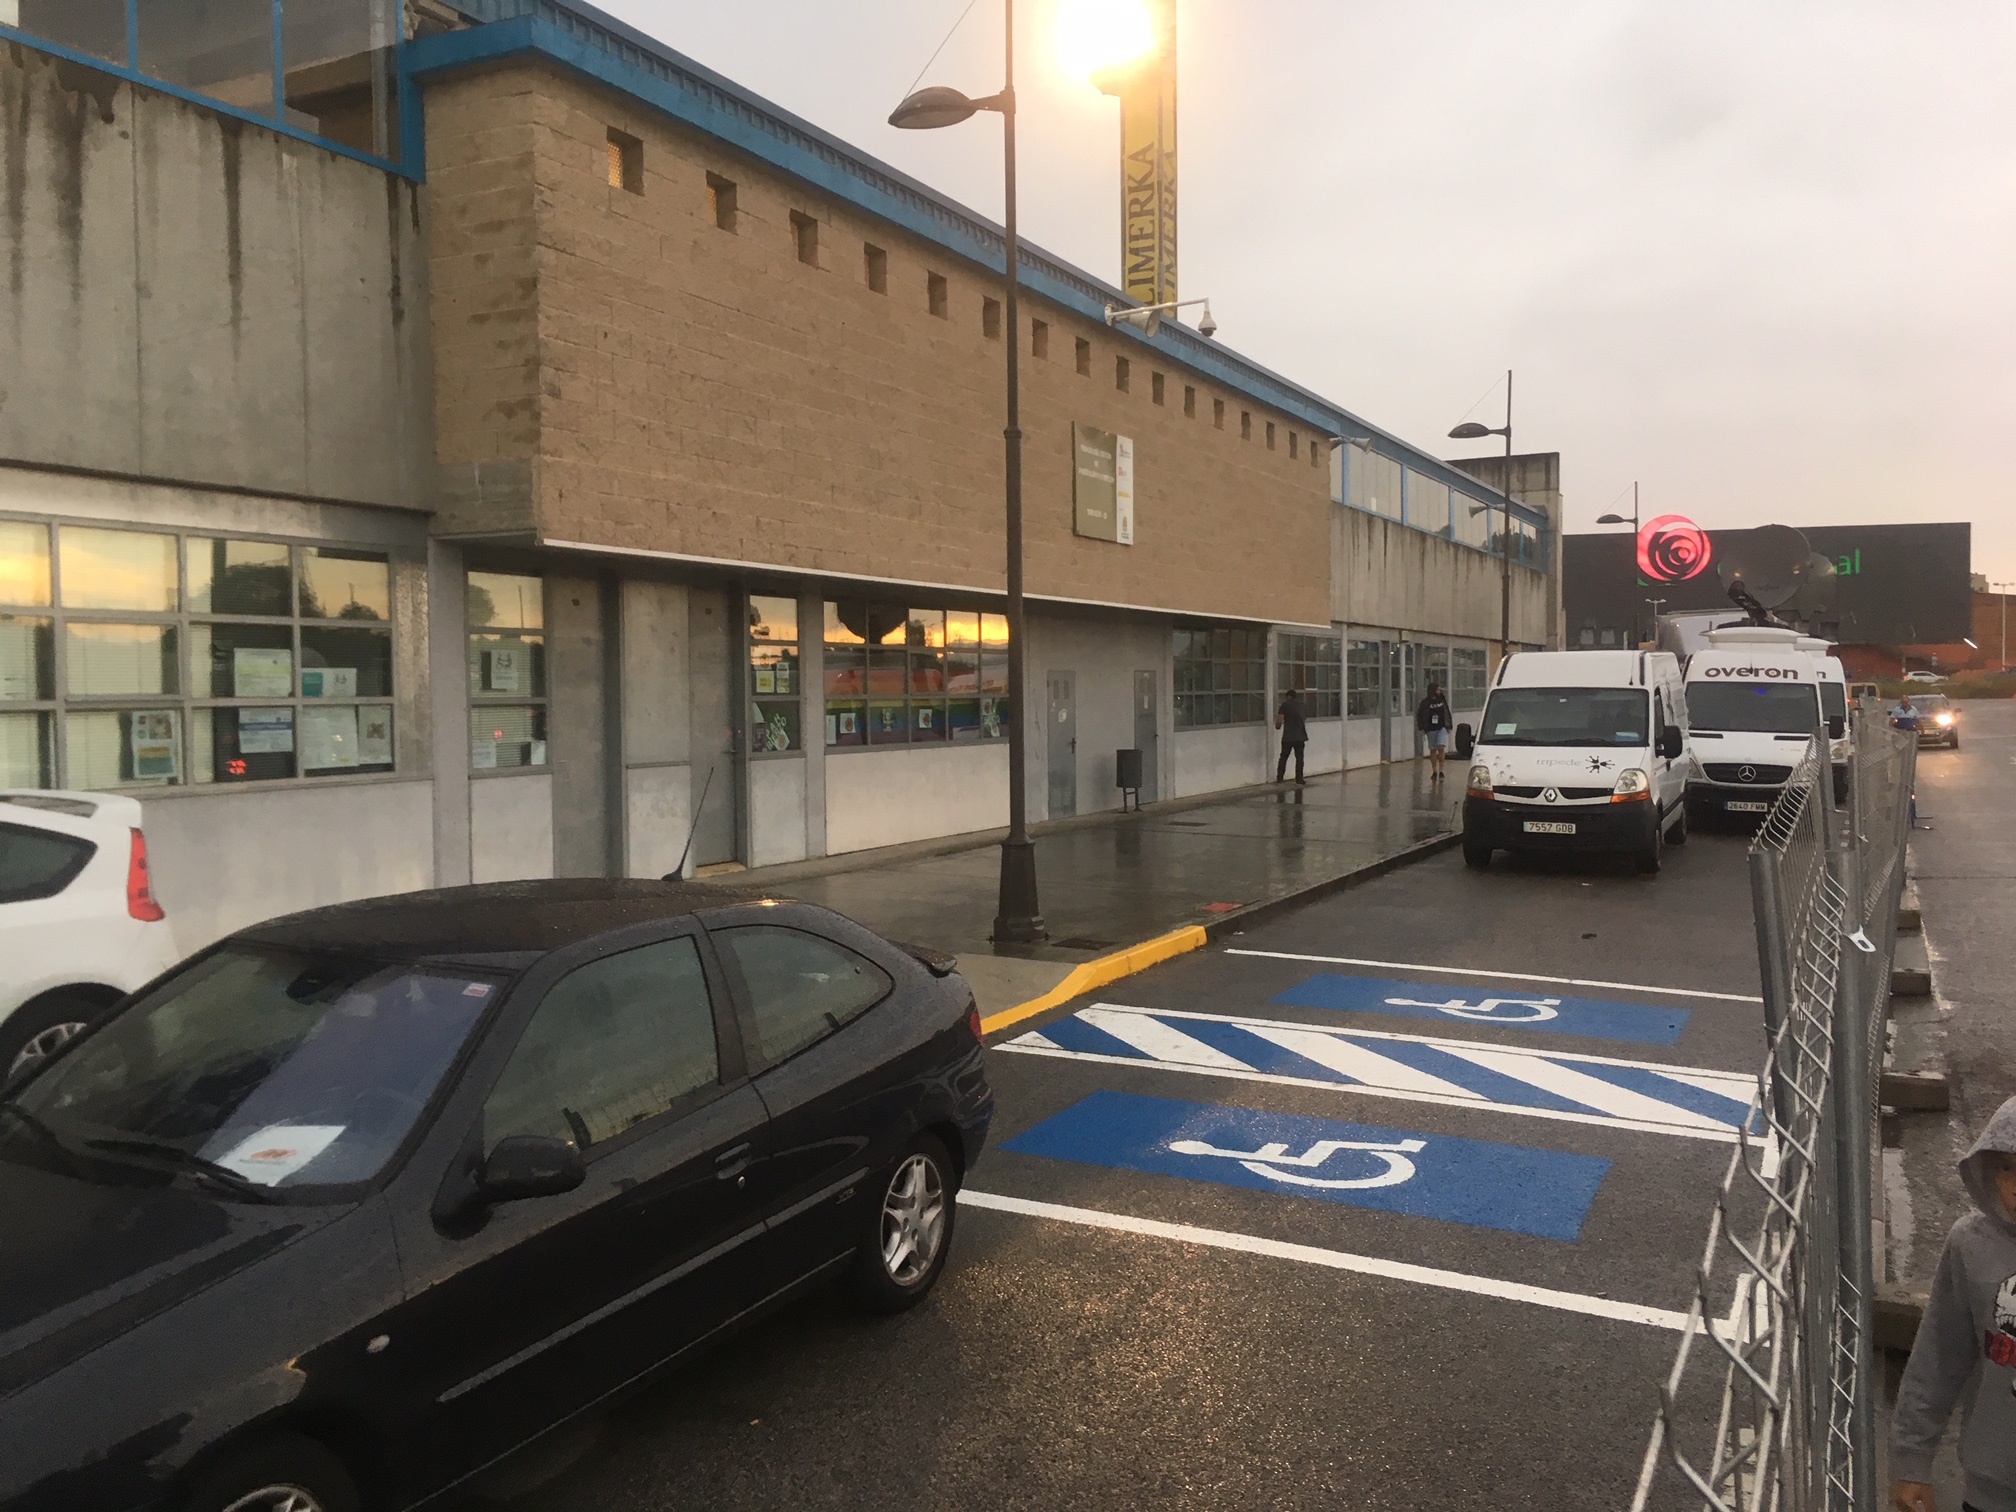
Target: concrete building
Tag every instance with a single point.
(515, 450)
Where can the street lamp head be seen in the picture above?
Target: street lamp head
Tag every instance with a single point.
(1611, 519)
(938, 106)
(1471, 430)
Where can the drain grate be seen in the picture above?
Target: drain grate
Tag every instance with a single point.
(1189, 823)
(1083, 942)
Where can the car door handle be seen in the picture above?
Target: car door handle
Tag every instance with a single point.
(731, 1163)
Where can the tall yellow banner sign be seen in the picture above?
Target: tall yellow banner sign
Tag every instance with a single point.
(1148, 165)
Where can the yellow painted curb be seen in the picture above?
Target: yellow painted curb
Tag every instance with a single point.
(1108, 968)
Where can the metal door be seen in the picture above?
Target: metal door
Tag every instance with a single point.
(1147, 706)
(1063, 744)
(714, 643)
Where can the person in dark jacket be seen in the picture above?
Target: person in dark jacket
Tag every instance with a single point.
(1434, 719)
(1292, 720)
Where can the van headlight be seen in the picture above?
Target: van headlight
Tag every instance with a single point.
(1631, 783)
(1480, 780)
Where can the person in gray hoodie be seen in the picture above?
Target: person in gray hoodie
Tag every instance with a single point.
(1968, 1335)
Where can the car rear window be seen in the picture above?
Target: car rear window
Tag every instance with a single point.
(35, 863)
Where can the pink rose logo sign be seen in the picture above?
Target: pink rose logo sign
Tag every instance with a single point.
(1672, 548)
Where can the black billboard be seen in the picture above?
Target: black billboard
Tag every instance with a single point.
(1888, 585)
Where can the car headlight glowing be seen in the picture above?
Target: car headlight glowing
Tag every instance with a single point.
(1480, 778)
(1631, 783)
(1943, 719)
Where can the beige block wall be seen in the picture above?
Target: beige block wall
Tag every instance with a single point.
(706, 393)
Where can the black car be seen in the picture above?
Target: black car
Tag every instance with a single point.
(356, 1203)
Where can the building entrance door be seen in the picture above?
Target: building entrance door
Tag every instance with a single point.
(1063, 744)
(713, 643)
(1147, 704)
(1401, 740)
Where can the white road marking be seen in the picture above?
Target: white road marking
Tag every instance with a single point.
(1359, 1063)
(1342, 1260)
(1503, 976)
(1581, 1087)
(1154, 1038)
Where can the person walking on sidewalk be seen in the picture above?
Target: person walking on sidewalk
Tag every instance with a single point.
(1433, 718)
(1968, 1335)
(1292, 720)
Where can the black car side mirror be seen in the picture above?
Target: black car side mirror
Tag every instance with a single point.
(1669, 743)
(530, 1165)
(1837, 726)
(1466, 742)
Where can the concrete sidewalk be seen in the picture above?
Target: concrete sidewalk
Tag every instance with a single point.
(1110, 881)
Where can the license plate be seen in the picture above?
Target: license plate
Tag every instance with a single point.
(1548, 827)
(1738, 806)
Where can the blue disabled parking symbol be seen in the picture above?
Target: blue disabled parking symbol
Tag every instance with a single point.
(1599, 1018)
(1474, 1181)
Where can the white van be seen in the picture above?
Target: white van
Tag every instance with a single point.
(1579, 751)
(1754, 698)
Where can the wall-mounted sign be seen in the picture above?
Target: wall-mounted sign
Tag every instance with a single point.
(1672, 549)
(1102, 485)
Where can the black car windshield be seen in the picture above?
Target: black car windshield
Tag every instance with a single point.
(275, 1068)
(1567, 717)
(1765, 708)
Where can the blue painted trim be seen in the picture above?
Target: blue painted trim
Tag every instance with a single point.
(162, 86)
(584, 40)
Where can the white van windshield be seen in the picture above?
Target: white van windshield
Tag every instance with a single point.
(1615, 717)
(1774, 708)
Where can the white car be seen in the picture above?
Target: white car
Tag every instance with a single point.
(1921, 675)
(79, 927)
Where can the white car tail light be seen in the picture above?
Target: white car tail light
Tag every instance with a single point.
(139, 889)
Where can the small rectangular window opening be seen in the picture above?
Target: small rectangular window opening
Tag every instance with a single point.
(940, 296)
(1084, 358)
(990, 319)
(1270, 435)
(1315, 453)
(626, 162)
(1189, 402)
(1123, 374)
(877, 263)
(1218, 413)
(1245, 425)
(1158, 388)
(806, 231)
(721, 201)
(1039, 338)
(1292, 452)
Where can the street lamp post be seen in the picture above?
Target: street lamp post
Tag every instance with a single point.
(1471, 430)
(1617, 519)
(2002, 590)
(1018, 917)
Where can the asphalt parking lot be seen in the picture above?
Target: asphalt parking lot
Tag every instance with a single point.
(1349, 1210)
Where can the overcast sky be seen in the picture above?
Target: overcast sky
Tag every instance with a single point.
(1759, 257)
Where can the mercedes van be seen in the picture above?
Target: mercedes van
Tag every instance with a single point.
(1579, 751)
(1754, 698)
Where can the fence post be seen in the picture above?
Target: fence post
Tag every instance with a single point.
(1854, 1102)
(1774, 965)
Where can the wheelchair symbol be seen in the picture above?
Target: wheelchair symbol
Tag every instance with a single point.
(1269, 1158)
(1488, 1011)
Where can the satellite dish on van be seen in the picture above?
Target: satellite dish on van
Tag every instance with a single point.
(1816, 587)
(1771, 563)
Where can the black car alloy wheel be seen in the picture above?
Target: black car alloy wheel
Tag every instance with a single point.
(286, 1474)
(905, 1250)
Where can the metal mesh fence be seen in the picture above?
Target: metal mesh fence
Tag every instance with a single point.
(1769, 1406)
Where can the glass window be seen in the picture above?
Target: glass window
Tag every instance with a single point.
(345, 585)
(1595, 717)
(239, 577)
(612, 1045)
(118, 569)
(507, 735)
(241, 661)
(1474, 520)
(1361, 677)
(1435, 669)
(35, 863)
(244, 744)
(1313, 663)
(1221, 677)
(27, 658)
(97, 27)
(800, 987)
(1427, 503)
(1375, 482)
(507, 671)
(338, 74)
(105, 748)
(1469, 676)
(507, 600)
(119, 660)
(24, 564)
(775, 681)
(28, 749)
(221, 48)
(897, 676)
(345, 663)
(1781, 708)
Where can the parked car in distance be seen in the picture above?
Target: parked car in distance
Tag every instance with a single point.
(354, 1203)
(79, 927)
(1938, 720)
(1921, 675)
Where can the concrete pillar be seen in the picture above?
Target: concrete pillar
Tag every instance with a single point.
(448, 699)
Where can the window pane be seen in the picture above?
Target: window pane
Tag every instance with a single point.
(27, 658)
(497, 598)
(845, 623)
(345, 663)
(801, 988)
(888, 722)
(927, 719)
(111, 747)
(927, 627)
(510, 665)
(775, 727)
(962, 672)
(994, 630)
(504, 735)
(24, 563)
(773, 669)
(962, 628)
(773, 619)
(120, 659)
(337, 56)
(993, 718)
(927, 672)
(27, 750)
(888, 625)
(347, 585)
(1427, 503)
(847, 723)
(97, 27)
(994, 674)
(221, 48)
(887, 671)
(243, 745)
(239, 577)
(846, 671)
(614, 1043)
(346, 738)
(962, 719)
(241, 661)
(118, 569)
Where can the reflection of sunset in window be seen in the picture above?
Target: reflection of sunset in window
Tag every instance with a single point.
(118, 569)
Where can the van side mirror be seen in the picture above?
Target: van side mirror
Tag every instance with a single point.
(1466, 742)
(1837, 726)
(530, 1165)
(1670, 743)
